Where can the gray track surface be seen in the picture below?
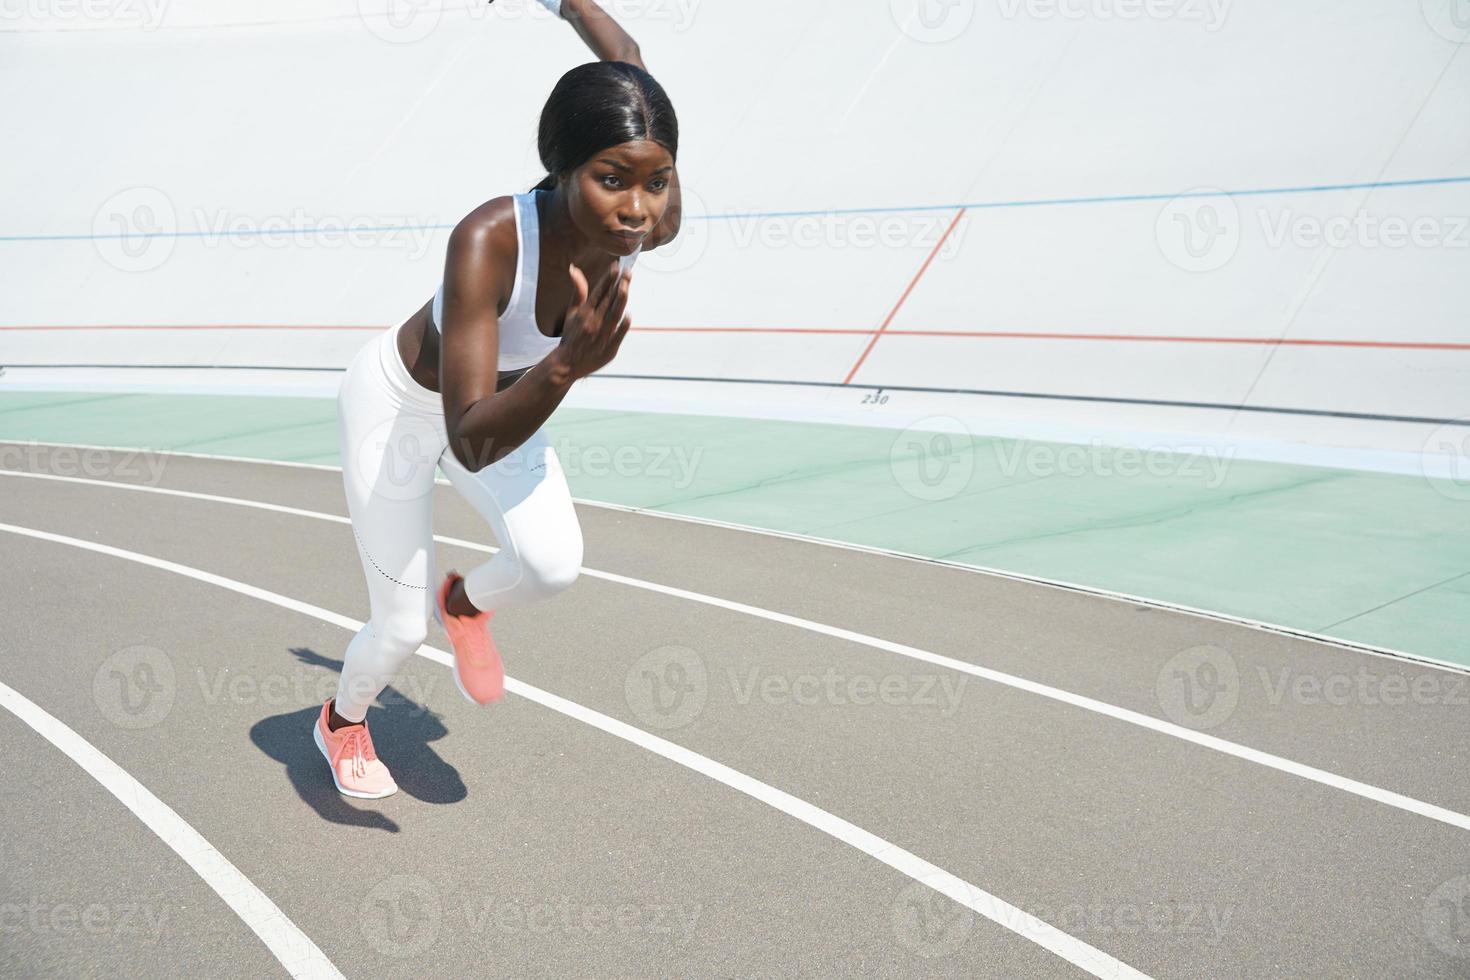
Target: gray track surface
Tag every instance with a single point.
(526, 843)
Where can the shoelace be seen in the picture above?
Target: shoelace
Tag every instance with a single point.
(359, 746)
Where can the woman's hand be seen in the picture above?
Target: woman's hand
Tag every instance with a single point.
(595, 324)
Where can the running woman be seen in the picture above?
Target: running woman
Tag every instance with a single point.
(533, 297)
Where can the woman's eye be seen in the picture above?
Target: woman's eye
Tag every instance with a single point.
(659, 185)
(612, 177)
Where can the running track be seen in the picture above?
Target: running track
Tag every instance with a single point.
(680, 782)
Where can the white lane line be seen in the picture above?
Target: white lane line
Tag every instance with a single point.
(1337, 642)
(297, 953)
(1018, 921)
(1365, 790)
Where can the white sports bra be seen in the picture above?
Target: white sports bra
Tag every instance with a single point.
(522, 344)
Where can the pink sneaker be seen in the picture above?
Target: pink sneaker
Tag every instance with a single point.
(477, 669)
(355, 766)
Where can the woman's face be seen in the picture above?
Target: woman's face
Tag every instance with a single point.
(617, 197)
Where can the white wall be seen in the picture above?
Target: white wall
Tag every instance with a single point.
(198, 118)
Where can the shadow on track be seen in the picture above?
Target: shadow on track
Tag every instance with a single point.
(402, 730)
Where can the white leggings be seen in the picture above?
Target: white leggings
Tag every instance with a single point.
(392, 437)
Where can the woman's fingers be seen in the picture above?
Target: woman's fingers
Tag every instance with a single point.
(579, 287)
(618, 336)
(620, 299)
(605, 284)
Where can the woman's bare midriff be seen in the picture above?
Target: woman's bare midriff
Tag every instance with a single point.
(418, 345)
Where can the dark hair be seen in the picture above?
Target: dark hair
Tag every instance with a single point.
(597, 105)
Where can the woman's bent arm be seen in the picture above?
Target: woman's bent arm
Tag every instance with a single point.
(601, 33)
(484, 426)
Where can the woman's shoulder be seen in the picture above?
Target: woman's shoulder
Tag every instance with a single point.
(480, 261)
(493, 222)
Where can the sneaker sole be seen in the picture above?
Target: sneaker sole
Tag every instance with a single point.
(316, 734)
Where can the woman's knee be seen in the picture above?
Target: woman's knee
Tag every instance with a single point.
(551, 570)
(401, 632)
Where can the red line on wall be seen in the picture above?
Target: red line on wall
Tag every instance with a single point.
(847, 331)
(912, 282)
